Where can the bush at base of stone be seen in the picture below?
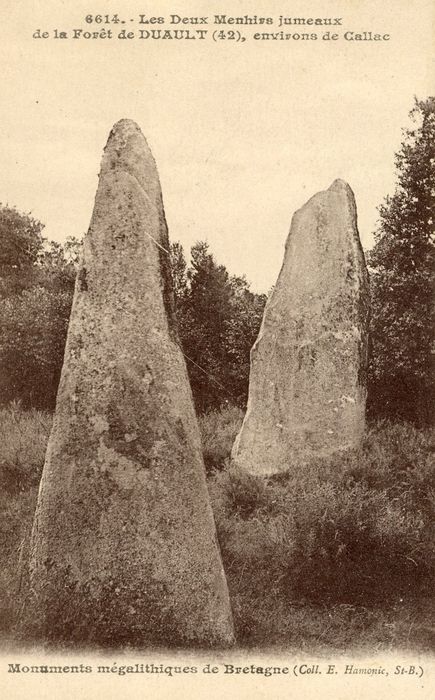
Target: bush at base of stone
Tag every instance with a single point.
(218, 432)
(353, 530)
(23, 441)
(271, 582)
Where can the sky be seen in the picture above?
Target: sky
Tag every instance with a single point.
(242, 133)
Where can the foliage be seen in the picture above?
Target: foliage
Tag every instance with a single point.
(241, 332)
(36, 286)
(218, 319)
(57, 264)
(21, 244)
(218, 432)
(402, 381)
(23, 440)
(355, 530)
(33, 327)
(340, 557)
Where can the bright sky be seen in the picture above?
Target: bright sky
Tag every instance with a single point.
(243, 134)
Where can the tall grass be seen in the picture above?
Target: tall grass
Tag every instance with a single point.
(354, 532)
(341, 554)
(218, 432)
(23, 439)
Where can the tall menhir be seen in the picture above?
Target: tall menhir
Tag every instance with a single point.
(307, 385)
(124, 546)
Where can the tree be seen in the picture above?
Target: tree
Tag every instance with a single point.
(202, 318)
(21, 243)
(179, 273)
(57, 264)
(218, 317)
(218, 320)
(402, 264)
(37, 280)
(240, 335)
(33, 328)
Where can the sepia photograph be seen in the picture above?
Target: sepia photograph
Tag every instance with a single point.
(217, 318)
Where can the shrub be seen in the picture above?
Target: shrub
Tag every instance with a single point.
(352, 530)
(218, 432)
(398, 459)
(33, 329)
(339, 553)
(23, 438)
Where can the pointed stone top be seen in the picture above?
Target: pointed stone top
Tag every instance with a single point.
(338, 186)
(125, 127)
(127, 150)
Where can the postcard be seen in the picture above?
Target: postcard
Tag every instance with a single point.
(216, 332)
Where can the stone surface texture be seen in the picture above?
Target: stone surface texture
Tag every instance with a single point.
(307, 388)
(124, 545)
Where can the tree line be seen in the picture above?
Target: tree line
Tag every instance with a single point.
(219, 316)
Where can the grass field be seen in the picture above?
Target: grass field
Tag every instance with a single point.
(338, 559)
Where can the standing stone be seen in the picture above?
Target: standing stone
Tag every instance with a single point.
(124, 546)
(307, 388)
